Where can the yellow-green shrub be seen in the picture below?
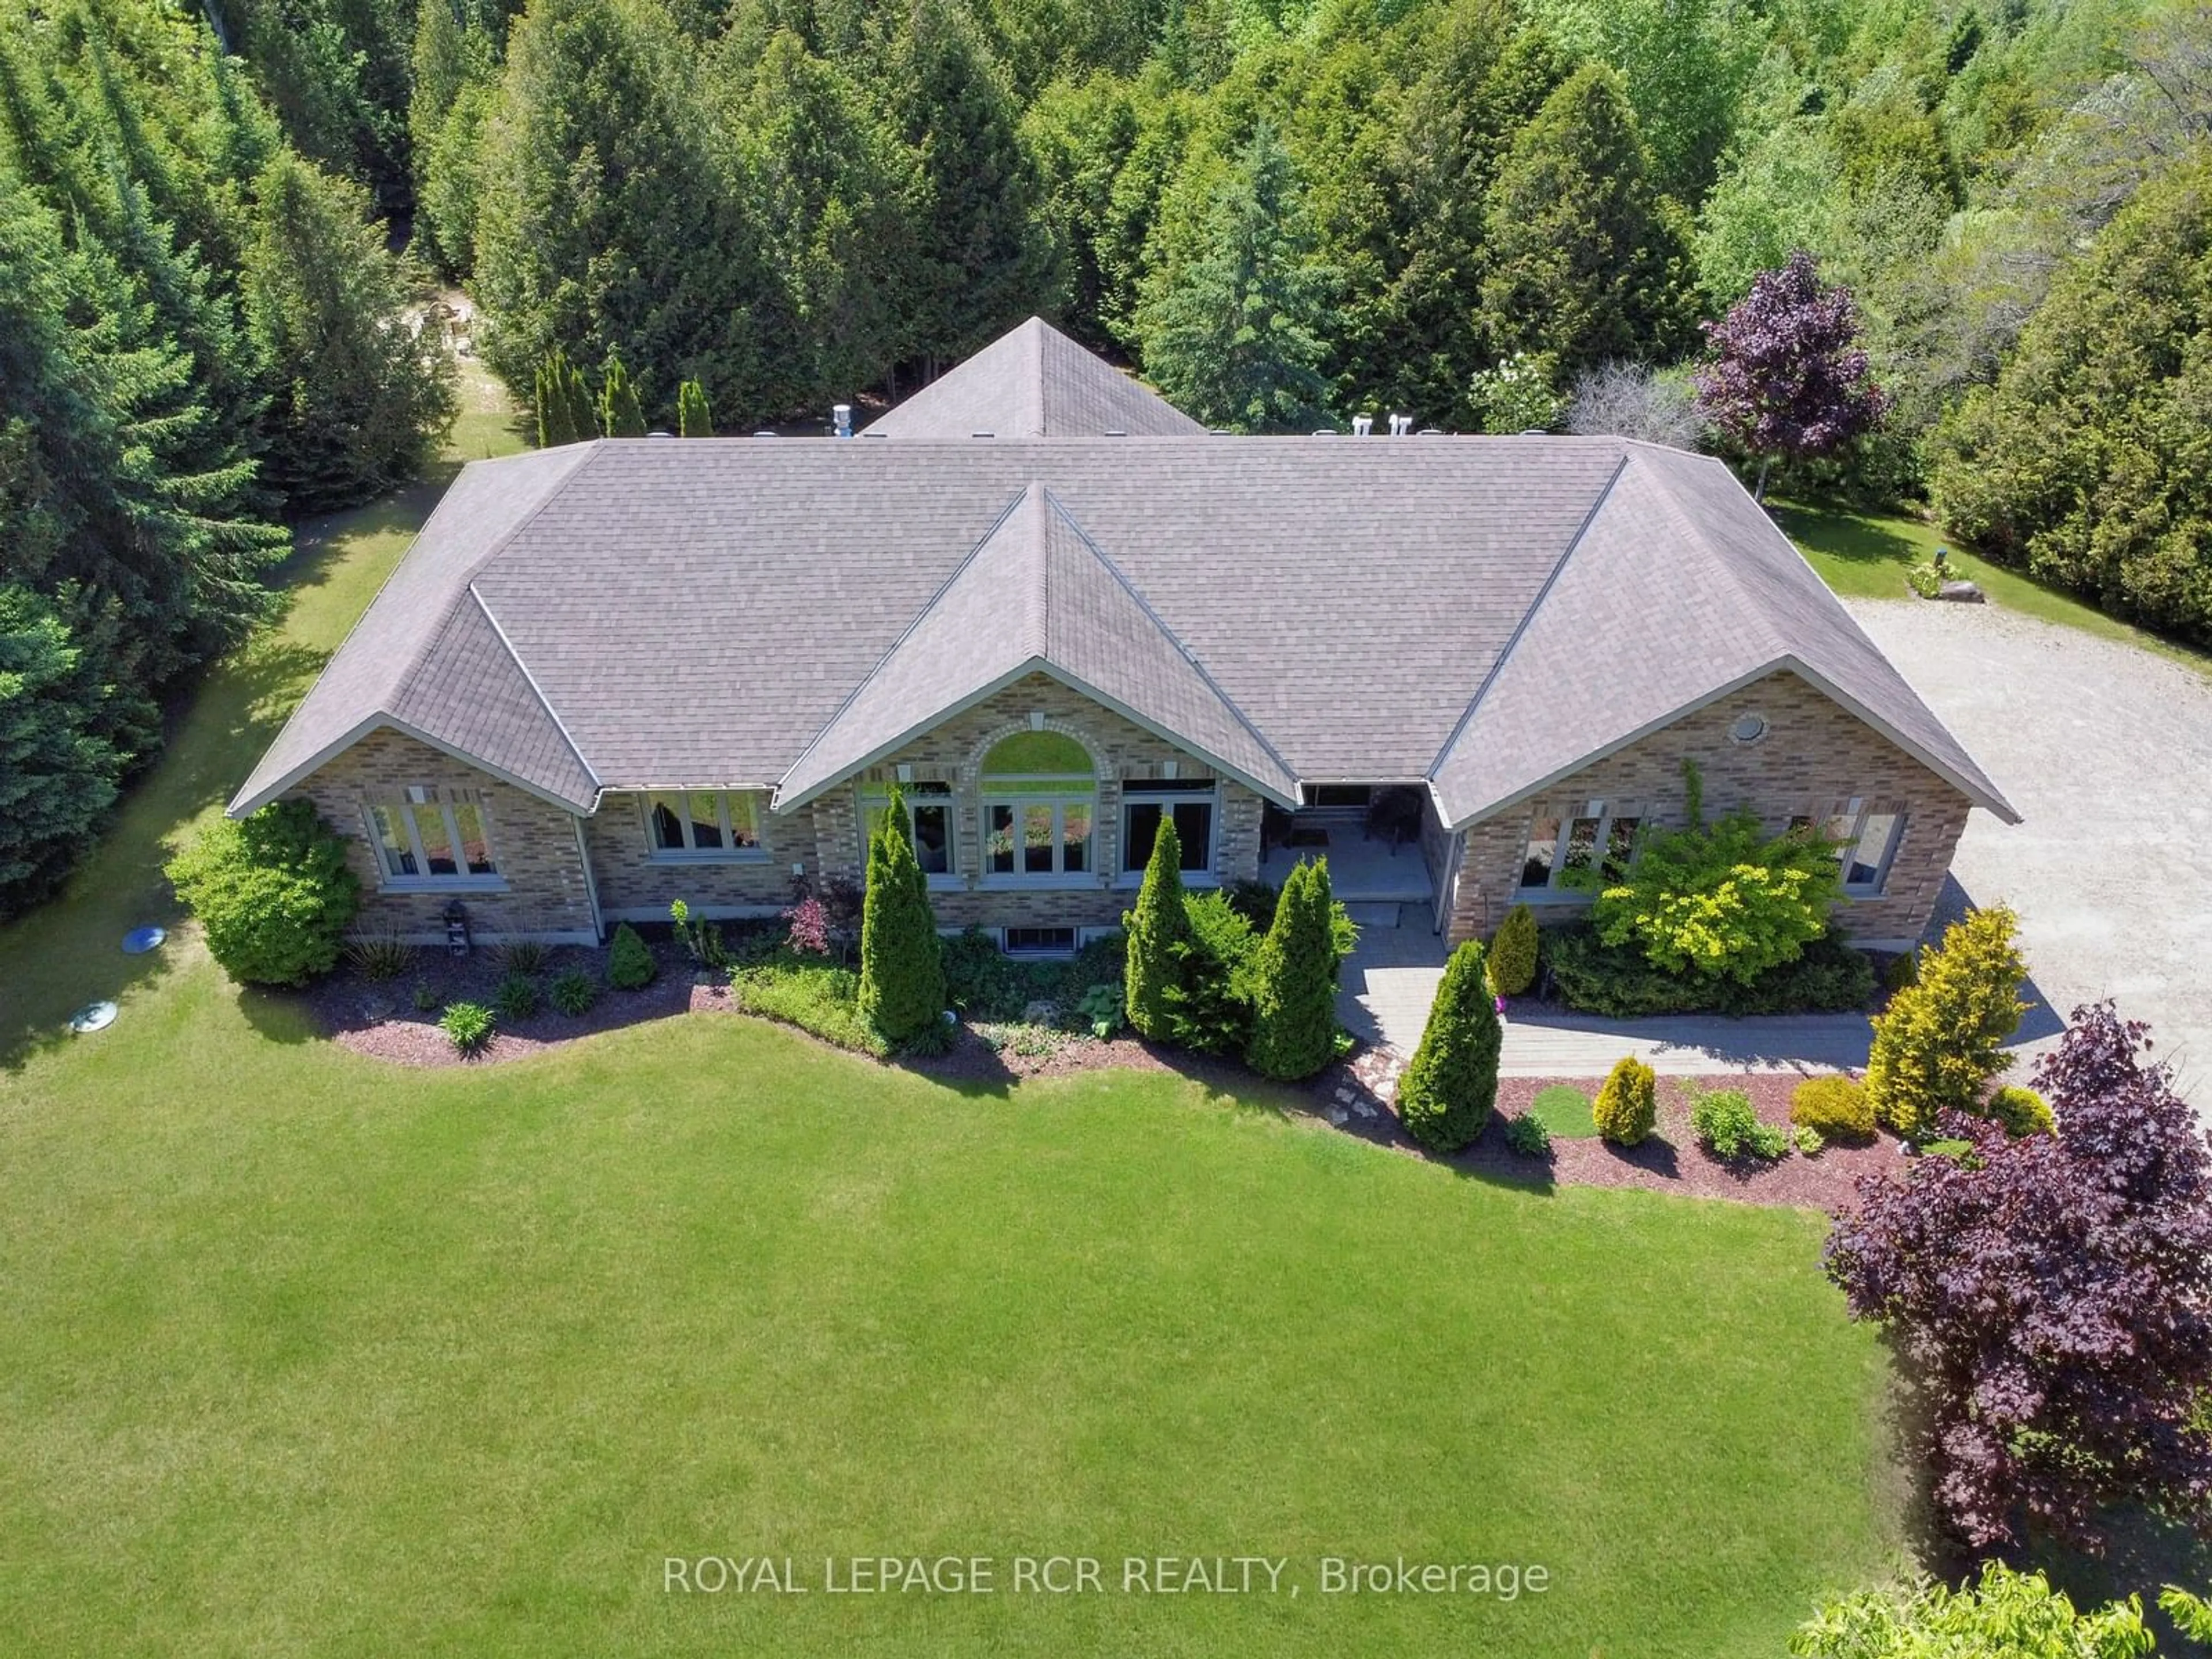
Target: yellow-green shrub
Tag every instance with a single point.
(1837, 1107)
(1511, 964)
(2022, 1111)
(1628, 1106)
(1941, 1041)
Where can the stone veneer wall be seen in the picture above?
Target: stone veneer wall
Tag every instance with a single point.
(1815, 755)
(635, 886)
(953, 753)
(541, 891)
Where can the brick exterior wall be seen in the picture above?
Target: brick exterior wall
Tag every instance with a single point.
(635, 886)
(1815, 755)
(541, 891)
(953, 753)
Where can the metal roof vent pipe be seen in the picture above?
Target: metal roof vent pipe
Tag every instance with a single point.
(1362, 425)
(842, 414)
(1401, 426)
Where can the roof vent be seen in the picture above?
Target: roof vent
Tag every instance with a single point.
(660, 434)
(1402, 425)
(1113, 431)
(841, 414)
(1362, 425)
(763, 433)
(983, 435)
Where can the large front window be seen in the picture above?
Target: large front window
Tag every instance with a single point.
(1040, 807)
(433, 840)
(703, 822)
(1146, 802)
(1597, 837)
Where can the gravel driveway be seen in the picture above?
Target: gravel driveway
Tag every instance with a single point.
(2106, 750)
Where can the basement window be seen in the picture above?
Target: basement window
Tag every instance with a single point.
(1040, 941)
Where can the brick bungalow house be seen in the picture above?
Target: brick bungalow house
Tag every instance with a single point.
(1058, 613)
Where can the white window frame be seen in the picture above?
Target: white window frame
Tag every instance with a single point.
(876, 797)
(1607, 813)
(1057, 876)
(1858, 809)
(728, 852)
(463, 876)
(1140, 792)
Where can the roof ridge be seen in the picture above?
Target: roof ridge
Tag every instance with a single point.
(1716, 558)
(1061, 509)
(1521, 628)
(1035, 330)
(536, 689)
(905, 633)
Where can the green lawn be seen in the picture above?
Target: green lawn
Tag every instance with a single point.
(1866, 555)
(305, 1353)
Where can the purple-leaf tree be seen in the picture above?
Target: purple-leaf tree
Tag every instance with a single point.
(2049, 1299)
(1786, 375)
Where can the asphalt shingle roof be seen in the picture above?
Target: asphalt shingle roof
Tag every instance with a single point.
(1034, 382)
(1482, 612)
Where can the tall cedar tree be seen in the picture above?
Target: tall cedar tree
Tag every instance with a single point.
(1784, 376)
(1450, 1087)
(619, 415)
(693, 419)
(1294, 980)
(2086, 462)
(361, 390)
(1159, 939)
(2050, 1299)
(1941, 1038)
(558, 389)
(605, 222)
(1588, 261)
(1235, 336)
(56, 777)
(983, 257)
(901, 972)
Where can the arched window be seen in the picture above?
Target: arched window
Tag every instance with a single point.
(1040, 806)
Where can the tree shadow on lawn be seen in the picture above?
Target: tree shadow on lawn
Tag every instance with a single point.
(1837, 530)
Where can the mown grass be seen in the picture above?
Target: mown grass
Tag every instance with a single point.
(1865, 555)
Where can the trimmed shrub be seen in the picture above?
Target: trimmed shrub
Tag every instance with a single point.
(573, 991)
(518, 998)
(1527, 1135)
(468, 1026)
(1939, 1042)
(1209, 1008)
(813, 996)
(1450, 1084)
(630, 966)
(1159, 939)
(272, 893)
(1294, 978)
(1628, 1105)
(1726, 1126)
(2021, 1111)
(1593, 977)
(1512, 962)
(902, 991)
(1904, 971)
(1808, 1140)
(1836, 1107)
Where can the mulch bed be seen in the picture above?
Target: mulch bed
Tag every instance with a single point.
(379, 1020)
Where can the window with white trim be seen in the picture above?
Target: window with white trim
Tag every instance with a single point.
(928, 821)
(703, 823)
(1040, 795)
(432, 841)
(1598, 838)
(1146, 802)
(1866, 839)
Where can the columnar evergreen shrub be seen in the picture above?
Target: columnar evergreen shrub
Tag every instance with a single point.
(1837, 1107)
(619, 414)
(1628, 1106)
(272, 893)
(564, 411)
(1450, 1087)
(1160, 934)
(1294, 982)
(1941, 1041)
(630, 966)
(901, 973)
(692, 418)
(1512, 961)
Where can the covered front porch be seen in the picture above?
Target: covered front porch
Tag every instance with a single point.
(1375, 838)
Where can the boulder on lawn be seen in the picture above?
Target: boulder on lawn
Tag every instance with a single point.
(1963, 592)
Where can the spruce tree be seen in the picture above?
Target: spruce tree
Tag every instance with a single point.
(1159, 936)
(692, 418)
(1448, 1088)
(58, 778)
(901, 970)
(1294, 980)
(619, 414)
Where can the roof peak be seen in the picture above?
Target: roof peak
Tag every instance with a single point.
(1034, 381)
